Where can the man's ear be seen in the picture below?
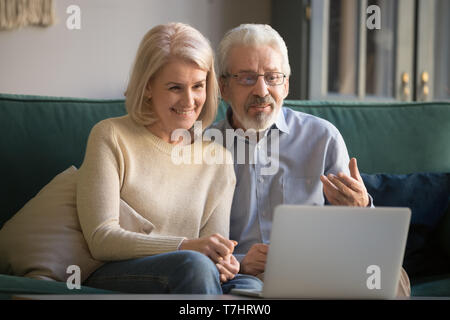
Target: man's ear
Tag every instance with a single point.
(286, 87)
(223, 85)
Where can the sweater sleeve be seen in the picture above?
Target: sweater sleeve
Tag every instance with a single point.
(218, 220)
(98, 203)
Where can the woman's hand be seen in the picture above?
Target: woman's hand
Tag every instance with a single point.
(215, 247)
(228, 268)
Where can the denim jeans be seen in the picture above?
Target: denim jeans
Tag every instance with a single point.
(178, 272)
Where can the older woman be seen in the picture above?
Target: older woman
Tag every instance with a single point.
(184, 207)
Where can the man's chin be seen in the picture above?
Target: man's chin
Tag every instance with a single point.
(258, 123)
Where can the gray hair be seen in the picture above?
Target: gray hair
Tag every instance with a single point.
(252, 35)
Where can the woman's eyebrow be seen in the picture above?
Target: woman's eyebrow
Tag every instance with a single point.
(172, 83)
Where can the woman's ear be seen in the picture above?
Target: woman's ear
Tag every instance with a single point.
(148, 91)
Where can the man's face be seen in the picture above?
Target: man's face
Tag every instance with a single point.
(254, 106)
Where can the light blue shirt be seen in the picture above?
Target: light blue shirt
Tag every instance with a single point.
(308, 147)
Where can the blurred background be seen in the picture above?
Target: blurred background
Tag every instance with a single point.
(333, 54)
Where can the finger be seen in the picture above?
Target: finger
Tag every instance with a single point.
(232, 268)
(333, 197)
(218, 246)
(216, 258)
(223, 278)
(262, 248)
(350, 182)
(327, 183)
(342, 187)
(329, 188)
(354, 171)
(228, 244)
(224, 271)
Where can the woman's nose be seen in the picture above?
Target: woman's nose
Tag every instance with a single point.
(188, 99)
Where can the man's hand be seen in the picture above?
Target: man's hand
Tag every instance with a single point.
(254, 261)
(342, 190)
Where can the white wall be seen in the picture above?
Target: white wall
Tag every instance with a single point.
(95, 62)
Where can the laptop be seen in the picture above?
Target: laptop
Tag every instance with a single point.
(334, 252)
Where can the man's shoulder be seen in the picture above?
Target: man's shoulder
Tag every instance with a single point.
(297, 120)
(220, 125)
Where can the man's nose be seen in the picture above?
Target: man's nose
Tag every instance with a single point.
(260, 88)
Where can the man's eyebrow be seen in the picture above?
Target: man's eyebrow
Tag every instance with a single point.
(253, 71)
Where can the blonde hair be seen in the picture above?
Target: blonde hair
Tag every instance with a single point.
(252, 35)
(156, 48)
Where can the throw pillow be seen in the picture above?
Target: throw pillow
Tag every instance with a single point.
(44, 237)
(427, 195)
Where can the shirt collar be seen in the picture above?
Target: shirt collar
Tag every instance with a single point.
(280, 123)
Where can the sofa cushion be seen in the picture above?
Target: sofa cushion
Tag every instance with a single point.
(436, 286)
(427, 195)
(13, 285)
(45, 236)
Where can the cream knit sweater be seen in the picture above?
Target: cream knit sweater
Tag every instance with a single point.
(125, 161)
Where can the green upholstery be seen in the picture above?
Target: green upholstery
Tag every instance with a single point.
(42, 136)
(11, 285)
(389, 137)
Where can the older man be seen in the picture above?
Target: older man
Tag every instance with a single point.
(311, 161)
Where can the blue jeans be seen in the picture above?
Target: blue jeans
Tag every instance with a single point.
(178, 272)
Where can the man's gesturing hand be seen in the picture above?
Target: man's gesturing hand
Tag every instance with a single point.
(254, 261)
(342, 190)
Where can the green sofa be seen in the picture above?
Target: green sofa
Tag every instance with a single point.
(42, 136)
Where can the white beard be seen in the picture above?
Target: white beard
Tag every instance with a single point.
(261, 122)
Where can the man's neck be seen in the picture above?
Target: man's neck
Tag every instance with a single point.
(235, 124)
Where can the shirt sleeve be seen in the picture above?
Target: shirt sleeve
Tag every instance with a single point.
(98, 203)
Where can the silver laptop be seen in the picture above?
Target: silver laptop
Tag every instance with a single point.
(334, 252)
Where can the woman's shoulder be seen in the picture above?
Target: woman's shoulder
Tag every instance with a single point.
(122, 126)
(115, 122)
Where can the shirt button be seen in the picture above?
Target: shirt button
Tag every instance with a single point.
(261, 179)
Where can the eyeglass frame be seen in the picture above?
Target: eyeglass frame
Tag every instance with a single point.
(235, 76)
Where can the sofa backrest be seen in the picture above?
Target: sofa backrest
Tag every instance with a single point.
(42, 136)
(390, 137)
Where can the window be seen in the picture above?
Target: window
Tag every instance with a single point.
(406, 59)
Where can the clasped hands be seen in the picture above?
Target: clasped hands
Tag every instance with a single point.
(219, 250)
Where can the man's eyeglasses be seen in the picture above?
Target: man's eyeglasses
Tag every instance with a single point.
(250, 78)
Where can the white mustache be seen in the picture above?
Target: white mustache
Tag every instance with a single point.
(256, 101)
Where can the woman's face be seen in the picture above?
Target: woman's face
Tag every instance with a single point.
(177, 93)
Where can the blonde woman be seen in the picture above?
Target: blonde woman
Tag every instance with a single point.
(183, 208)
